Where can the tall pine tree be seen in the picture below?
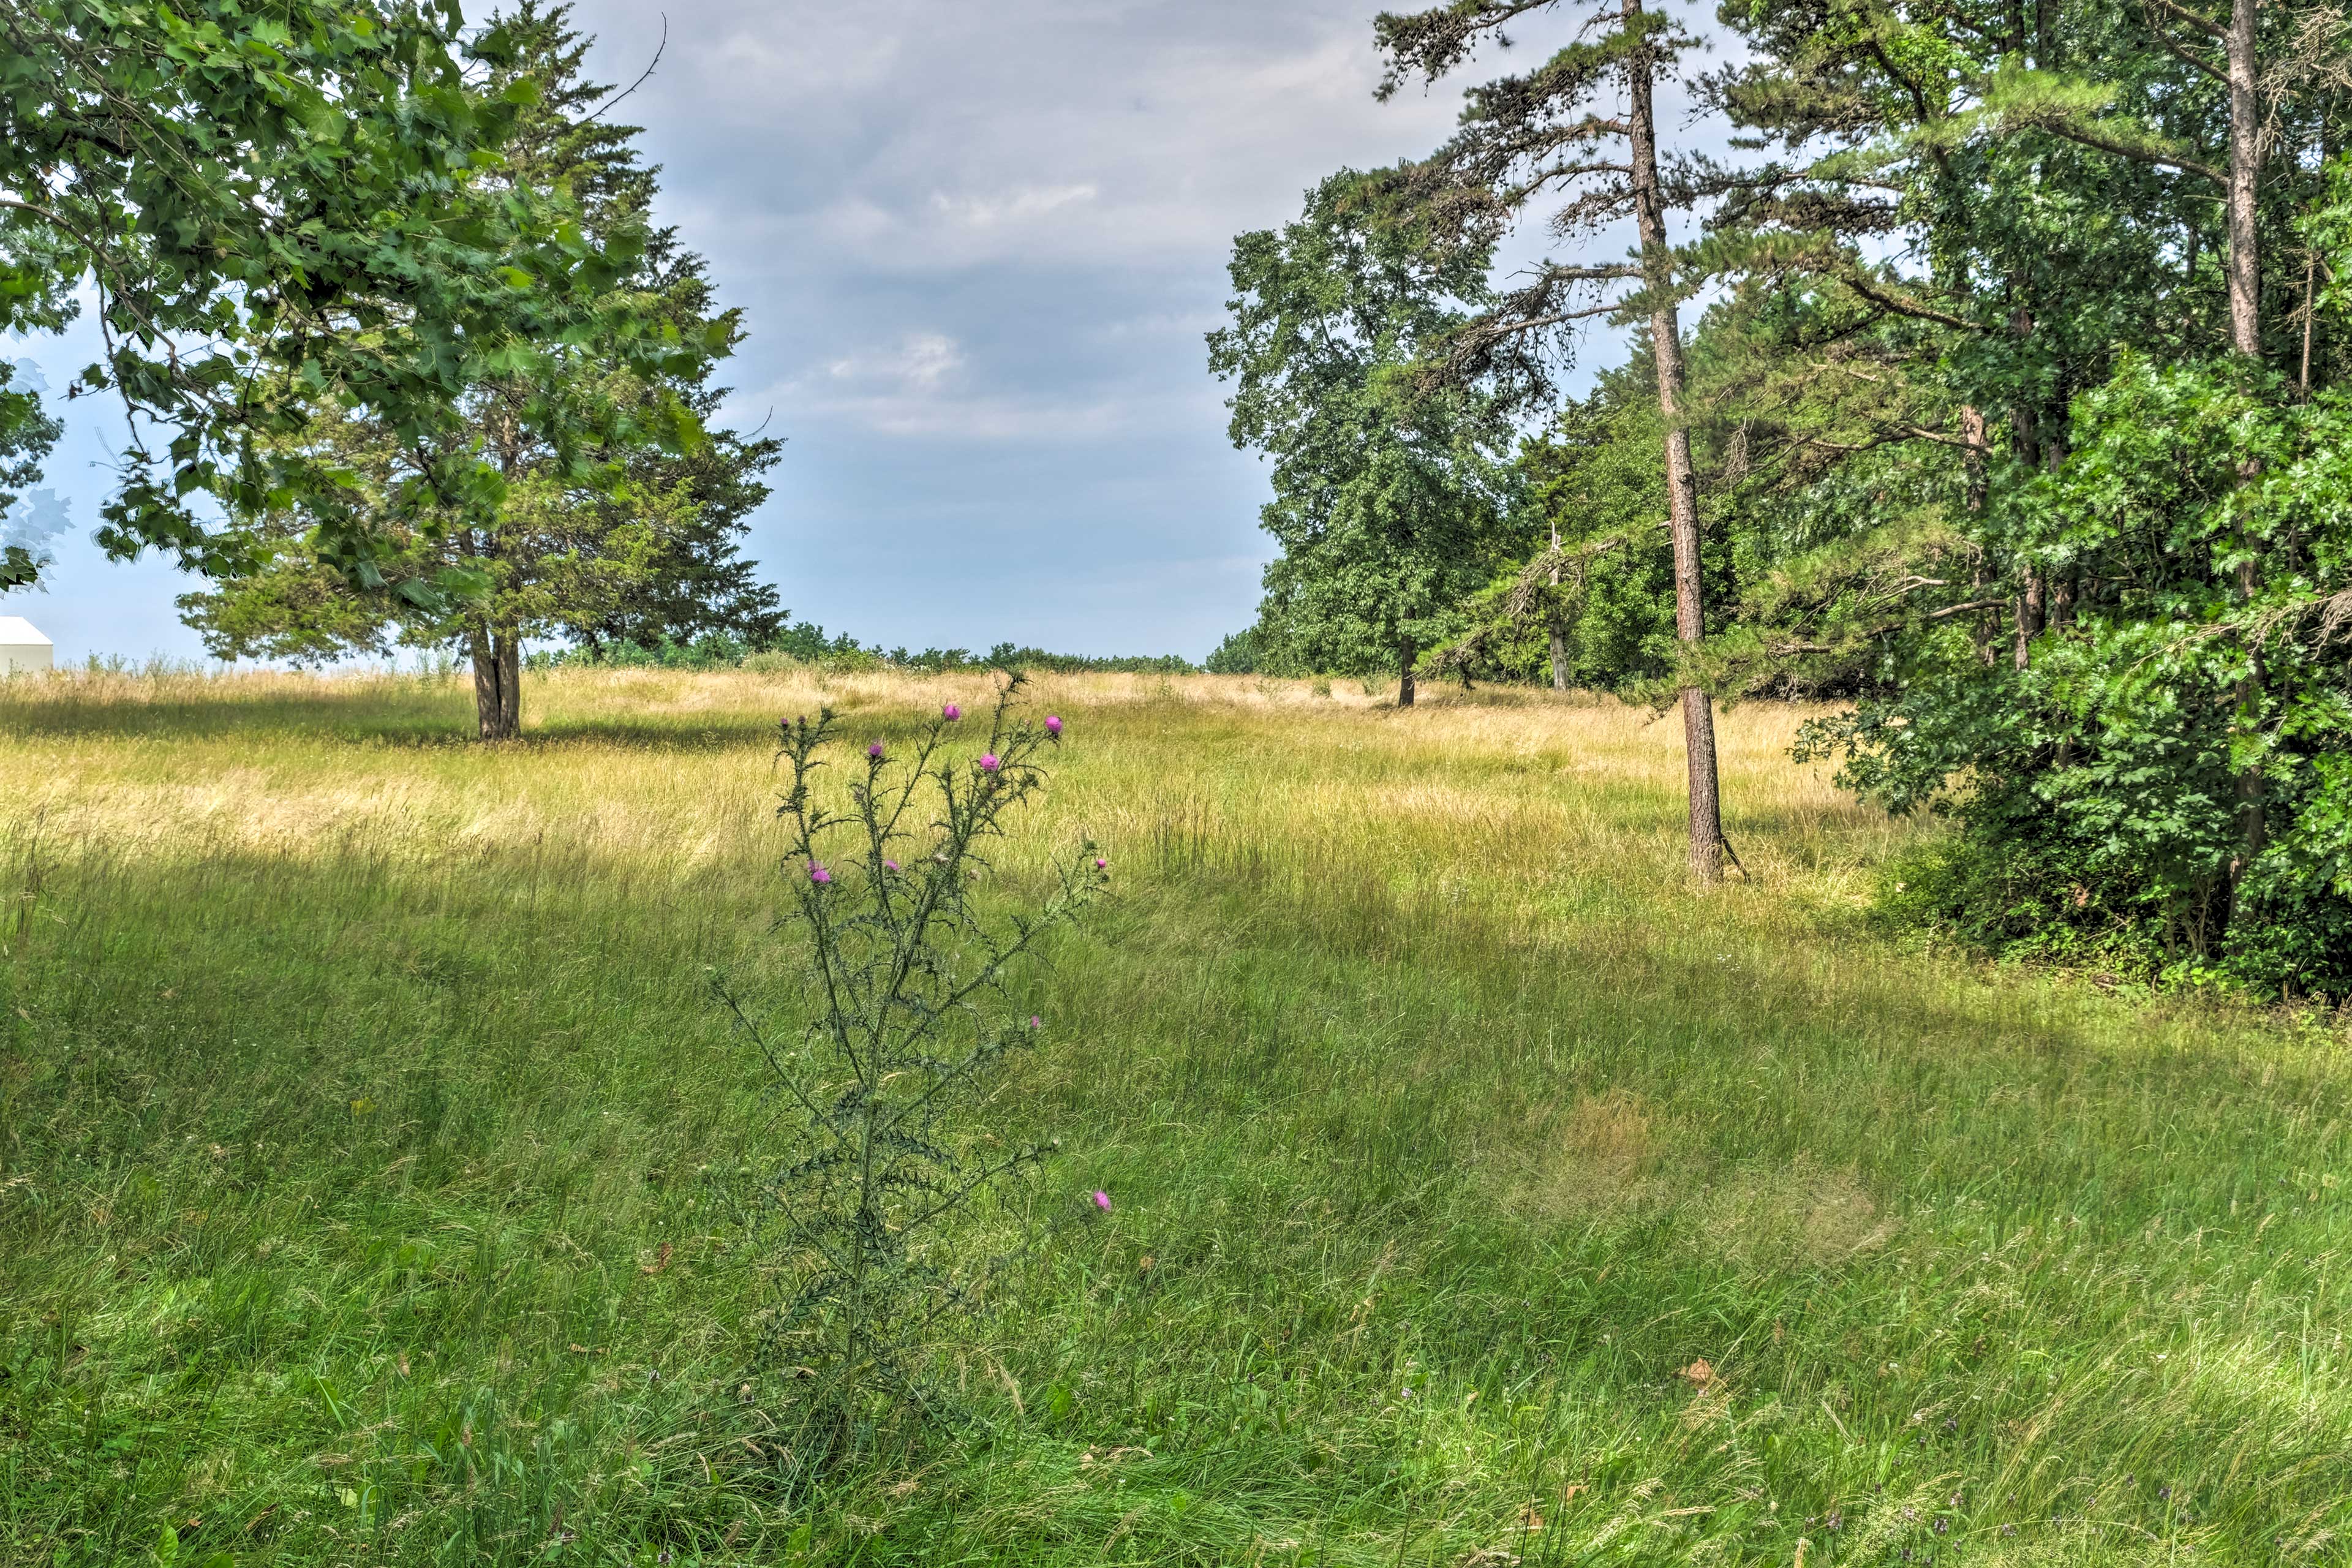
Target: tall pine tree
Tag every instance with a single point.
(1557, 132)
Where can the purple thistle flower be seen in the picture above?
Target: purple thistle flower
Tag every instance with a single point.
(889, 864)
(874, 750)
(1102, 1201)
(818, 874)
(1035, 1022)
(988, 762)
(951, 712)
(1101, 864)
(1052, 725)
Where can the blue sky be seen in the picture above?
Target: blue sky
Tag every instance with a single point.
(977, 246)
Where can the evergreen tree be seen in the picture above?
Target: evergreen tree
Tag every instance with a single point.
(1557, 132)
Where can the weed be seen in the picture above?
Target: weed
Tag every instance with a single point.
(912, 1028)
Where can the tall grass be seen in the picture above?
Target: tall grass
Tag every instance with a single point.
(367, 1138)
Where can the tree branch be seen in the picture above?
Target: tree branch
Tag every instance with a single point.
(1903, 306)
(2196, 19)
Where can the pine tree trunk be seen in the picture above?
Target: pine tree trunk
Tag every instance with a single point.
(1407, 651)
(498, 684)
(1682, 481)
(2245, 135)
(2245, 338)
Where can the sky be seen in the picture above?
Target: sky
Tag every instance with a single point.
(977, 246)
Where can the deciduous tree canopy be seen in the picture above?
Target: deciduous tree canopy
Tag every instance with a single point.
(289, 211)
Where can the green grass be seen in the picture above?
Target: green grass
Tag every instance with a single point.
(364, 1117)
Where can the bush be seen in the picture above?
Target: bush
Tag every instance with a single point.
(2167, 778)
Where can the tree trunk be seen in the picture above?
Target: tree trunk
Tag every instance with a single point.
(2025, 441)
(2030, 611)
(2245, 338)
(1978, 447)
(1407, 651)
(1977, 452)
(498, 684)
(1682, 482)
(509, 686)
(1559, 633)
(2245, 135)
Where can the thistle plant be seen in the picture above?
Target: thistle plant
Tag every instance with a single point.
(911, 1023)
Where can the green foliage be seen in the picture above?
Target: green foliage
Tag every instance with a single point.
(884, 1139)
(1241, 653)
(287, 210)
(1973, 445)
(1388, 493)
(2199, 675)
(1005, 656)
(1596, 487)
(805, 642)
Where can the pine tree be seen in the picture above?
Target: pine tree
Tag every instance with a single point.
(1546, 130)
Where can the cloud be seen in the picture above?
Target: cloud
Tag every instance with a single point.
(1013, 207)
(916, 387)
(920, 363)
(976, 248)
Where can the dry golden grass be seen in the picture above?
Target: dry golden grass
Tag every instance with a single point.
(670, 767)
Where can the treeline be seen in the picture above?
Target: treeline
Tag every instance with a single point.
(805, 642)
(2014, 413)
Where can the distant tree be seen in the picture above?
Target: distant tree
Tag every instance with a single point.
(637, 545)
(277, 208)
(1386, 492)
(1599, 585)
(1237, 654)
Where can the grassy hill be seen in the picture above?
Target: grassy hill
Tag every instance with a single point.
(1481, 1193)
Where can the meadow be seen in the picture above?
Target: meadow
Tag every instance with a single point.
(1482, 1193)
